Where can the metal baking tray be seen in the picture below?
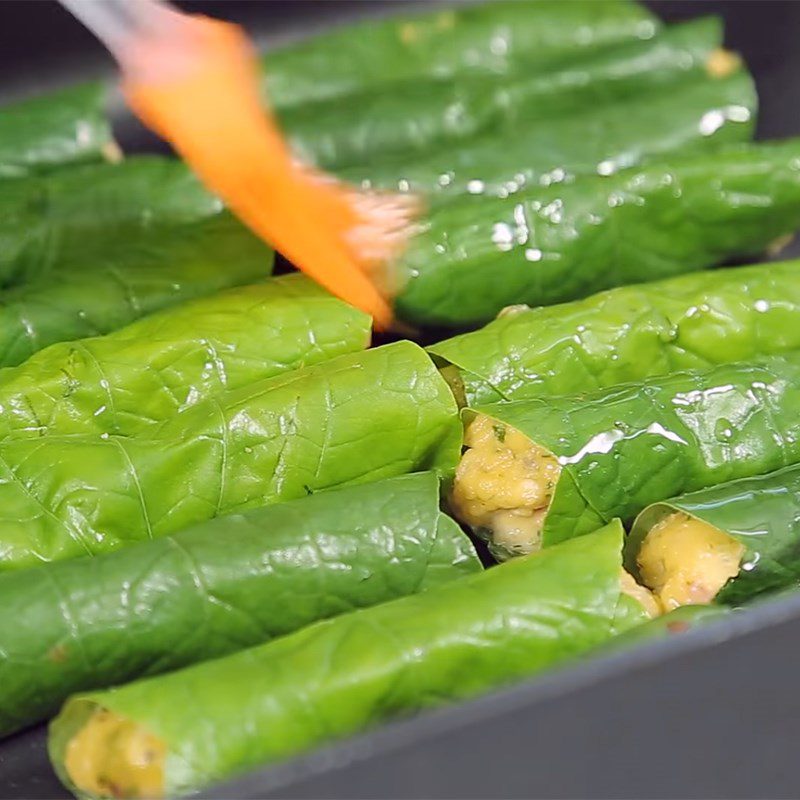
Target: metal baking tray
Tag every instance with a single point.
(713, 713)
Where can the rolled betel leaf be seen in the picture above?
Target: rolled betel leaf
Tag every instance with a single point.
(489, 38)
(419, 114)
(353, 419)
(144, 373)
(68, 216)
(627, 334)
(725, 544)
(544, 246)
(537, 472)
(55, 129)
(176, 733)
(695, 116)
(218, 587)
(128, 279)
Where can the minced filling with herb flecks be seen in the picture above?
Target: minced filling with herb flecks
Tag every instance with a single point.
(503, 486)
(686, 561)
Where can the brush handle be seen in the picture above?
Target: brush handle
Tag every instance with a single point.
(117, 23)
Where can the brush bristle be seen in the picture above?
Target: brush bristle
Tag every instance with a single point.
(388, 222)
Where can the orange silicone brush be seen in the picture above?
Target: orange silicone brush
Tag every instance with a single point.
(195, 82)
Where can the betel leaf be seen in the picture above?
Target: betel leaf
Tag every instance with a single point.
(218, 587)
(343, 676)
(629, 334)
(353, 419)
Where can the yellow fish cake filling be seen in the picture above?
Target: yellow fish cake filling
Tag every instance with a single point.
(503, 485)
(111, 756)
(686, 561)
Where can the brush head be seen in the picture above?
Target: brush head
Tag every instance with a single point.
(203, 96)
(386, 222)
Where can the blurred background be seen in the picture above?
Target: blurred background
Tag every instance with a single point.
(41, 46)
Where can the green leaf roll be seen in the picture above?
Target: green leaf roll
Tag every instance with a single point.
(345, 675)
(538, 472)
(67, 217)
(414, 116)
(628, 334)
(546, 246)
(218, 587)
(54, 129)
(88, 250)
(760, 519)
(133, 277)
(490, 38)
(146, 372)
(353, 419)
(696, 116)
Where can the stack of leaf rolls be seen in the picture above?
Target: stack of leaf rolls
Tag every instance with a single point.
(232, 528)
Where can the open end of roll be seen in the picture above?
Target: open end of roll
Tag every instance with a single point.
(113, 757)
(686, 561)
(503, 486)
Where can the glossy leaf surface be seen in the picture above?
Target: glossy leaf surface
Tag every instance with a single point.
(645, 224)
(353, 419)
(630, 333)
(345, 675)
(489, 38)
(634, 444)
(413, 116)
(218, 587)
(54, 129)
(147, 371)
